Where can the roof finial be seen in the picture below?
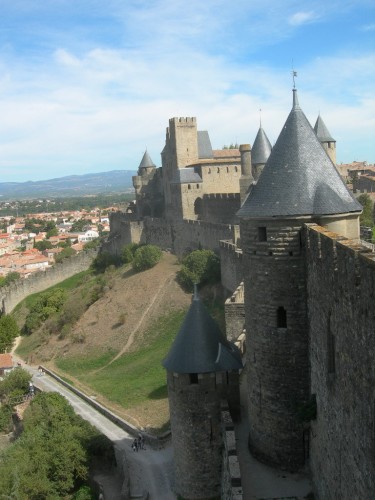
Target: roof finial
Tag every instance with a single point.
(294, 74)
(260, 117)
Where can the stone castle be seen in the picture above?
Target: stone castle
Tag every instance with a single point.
(301, 287)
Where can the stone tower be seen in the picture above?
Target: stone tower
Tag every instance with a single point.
(299, 184)
(181, 149)
(325, 139)
(246, 178)
(261, 151)
(202, 368)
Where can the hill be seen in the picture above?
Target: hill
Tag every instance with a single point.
(114, 181)
(115, 349)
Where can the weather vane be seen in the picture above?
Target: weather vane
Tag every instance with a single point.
(294, 74)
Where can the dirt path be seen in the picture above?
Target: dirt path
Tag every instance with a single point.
(156, 299)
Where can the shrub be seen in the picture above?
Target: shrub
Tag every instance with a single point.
(146, 257)
(127, 254)
(16, 381)
(8, 332)
(200, 266)
(104, 260)
(64, 254)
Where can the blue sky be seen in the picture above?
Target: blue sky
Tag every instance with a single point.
(86, 86)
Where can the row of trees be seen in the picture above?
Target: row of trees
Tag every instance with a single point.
(52, 457)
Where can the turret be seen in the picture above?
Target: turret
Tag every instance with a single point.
(299, 184)
(325, 139)
(261, 151)
(202, 368)
(246, 178)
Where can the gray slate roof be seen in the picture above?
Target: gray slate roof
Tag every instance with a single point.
(261, 149)
(204, 145)
(186, 175)
(200, 347)
(146, 161)
(322, 131)
(298, 178)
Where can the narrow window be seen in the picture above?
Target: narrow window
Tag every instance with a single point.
(262, 233)
(235, 169)
(218, 170)
(189, 187)
(227, 170)
(281, 318)
(193, 378)
(197, 186)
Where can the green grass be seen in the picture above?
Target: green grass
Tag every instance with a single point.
(136, 376)
(68, 284)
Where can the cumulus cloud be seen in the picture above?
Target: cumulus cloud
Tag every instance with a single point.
(91, 104)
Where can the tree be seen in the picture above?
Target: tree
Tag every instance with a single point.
(366, 217)
(52, 232)
(200, 266)
(104, 260)
(43, 245)
(128, 251)
(9, 278)
(146, 257)
(64, 254)
(8, 332)
(17, 380)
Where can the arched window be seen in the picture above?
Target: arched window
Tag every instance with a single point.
(281, 317)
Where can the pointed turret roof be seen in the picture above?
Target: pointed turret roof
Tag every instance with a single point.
(261, 148)
(146, 161)
(199, 346)
(321, 131)
(298, 178)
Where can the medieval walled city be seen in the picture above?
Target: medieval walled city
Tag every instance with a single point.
(299, 314)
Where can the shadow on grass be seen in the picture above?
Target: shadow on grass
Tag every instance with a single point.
(159, 393)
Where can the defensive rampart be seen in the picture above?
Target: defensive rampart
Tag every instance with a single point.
(231, 265)
(191, 235)
(341, 309)
(235, 314)
(231, 484)
(14, 293)
(221, 208)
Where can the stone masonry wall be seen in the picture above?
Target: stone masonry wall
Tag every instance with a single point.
(231, 265)
(235, 314)
(276, 338)
(191, 235)
(341, 309)
(231, 488)
(37, 282)
(196, 435)
(221, 208)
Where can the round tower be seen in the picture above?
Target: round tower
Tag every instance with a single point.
(325, 139)
(201, 366)
(246, 178)
(299, 184)
(261, 151)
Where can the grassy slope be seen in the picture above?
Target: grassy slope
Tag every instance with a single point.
(135, 384)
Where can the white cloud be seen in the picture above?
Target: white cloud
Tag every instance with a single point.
(300, 18)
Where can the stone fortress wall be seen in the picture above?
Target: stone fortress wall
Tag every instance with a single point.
(341, 310)
(14, 293)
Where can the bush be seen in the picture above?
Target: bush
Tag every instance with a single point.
(146, 257)
(8, 332)
(64, 254)
(200, 266)
(16, 381)
(127, 254)
(104, 260)
(46, 305)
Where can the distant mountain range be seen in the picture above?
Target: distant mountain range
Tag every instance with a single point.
(115, 181)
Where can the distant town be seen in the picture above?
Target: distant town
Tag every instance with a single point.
(34, 241)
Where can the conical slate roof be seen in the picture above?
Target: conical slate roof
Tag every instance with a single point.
(322, 131)
(298, 178)
(199, 346)
(146, 161)
(261, 149)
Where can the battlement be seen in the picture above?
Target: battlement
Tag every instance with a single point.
(222, 196)
(183, 120)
